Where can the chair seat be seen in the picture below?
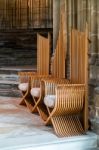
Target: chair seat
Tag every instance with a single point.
(23, 87)
(35, 92)
(49, 101)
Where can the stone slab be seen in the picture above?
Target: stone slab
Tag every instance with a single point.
(49, 141)
(21, 130)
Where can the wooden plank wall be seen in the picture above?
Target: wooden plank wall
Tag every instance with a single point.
(25, 13)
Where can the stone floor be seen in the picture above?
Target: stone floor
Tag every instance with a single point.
(19, 68)
(21, 130)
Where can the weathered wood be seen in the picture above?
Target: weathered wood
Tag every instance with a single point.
(25, 14)
(58, 62)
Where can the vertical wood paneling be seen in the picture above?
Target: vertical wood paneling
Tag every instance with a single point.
(26, 13)
(43, 57)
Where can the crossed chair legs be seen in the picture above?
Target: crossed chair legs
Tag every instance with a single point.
(33, 100)
(25, 83)
(22, 102)
(38, 103)
(27, 99)
(48, 86)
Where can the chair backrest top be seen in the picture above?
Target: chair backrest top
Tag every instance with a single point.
(79, 57)
(43, 54)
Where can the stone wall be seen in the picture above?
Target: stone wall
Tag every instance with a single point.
(77, 14)
(56, 14)
(19, 47)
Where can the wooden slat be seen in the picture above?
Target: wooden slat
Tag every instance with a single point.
(79, 66)
(43, 55)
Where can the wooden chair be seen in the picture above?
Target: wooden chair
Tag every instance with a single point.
(24, 80)
(58, 71)
(68, 103)
(79, 65)
(48, 87)
(43, 56)
(33, 99)
(69, 115)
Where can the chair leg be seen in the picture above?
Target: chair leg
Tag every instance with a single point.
(22, 102)
(30, 107)
(39, 107)
(34, 104)
(85, 116)
(30, 103)
(43, 112)
(69, 125)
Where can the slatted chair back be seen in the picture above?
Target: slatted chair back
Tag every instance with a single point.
(51, 84)
(79, 57)
(58, 61)
(43, 54)
(79, 65)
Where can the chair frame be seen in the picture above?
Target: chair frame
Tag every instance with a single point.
(32, 102)
(64, 115)
(51, 83)
(79, 65)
